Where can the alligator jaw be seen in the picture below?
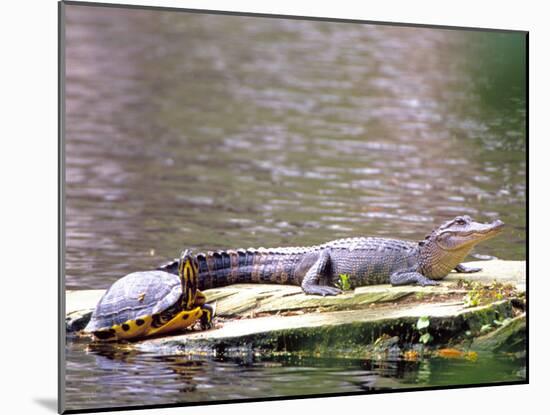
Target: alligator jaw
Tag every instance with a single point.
(449, 244)
(484, 231)
(464, 233)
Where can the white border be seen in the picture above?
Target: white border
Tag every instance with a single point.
(29, 202)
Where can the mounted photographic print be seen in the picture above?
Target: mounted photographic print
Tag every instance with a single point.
(269, 207)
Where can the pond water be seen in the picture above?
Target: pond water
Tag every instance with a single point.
(127, 378)
(205, 131)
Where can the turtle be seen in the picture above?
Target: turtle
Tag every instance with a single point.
(148, 303)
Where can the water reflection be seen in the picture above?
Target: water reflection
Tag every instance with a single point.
(118, 377)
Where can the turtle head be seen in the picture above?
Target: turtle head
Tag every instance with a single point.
(188, 271)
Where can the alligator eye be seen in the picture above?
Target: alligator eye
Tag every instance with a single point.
(460, 222)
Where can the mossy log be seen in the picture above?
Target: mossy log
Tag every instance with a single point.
(509, 338)
(278, 318)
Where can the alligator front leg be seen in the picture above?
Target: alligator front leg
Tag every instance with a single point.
(465, 269)
(321, 267)
(410, 277)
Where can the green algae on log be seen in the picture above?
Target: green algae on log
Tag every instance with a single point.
(509, 338)
(340, 332)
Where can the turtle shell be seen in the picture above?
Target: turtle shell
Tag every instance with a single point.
(137, 295)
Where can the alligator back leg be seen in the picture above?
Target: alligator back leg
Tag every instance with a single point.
(320, 270)
(410, 277)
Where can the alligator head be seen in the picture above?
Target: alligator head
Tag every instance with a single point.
(445, 247)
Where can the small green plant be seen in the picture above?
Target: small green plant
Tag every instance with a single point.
(480, 294)
(344, 283)
(422, 326)
(486, 328)
(472, 299)
(426, 338)
(502, 322)
(422, 323)
(474, 296)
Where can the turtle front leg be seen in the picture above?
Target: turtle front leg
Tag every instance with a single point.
(200, 299)
(207, 318)
(466, 270)
(207, 311)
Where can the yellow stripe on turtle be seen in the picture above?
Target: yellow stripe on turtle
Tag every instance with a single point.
(184, 319)
(188, 271)
(142, 327)
(200, 299)
(133, 329)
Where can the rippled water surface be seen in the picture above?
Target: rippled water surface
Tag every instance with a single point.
(127, 378)
(204, 131)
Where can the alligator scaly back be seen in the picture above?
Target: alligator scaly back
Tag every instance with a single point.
(365, 261)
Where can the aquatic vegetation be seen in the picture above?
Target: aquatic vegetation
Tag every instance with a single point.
(422, 326)
(481, 294)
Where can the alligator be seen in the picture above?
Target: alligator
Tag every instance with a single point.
(365, 260)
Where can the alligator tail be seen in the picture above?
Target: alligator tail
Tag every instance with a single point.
(241, 266)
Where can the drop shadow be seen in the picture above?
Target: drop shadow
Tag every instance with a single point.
(48, 403)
